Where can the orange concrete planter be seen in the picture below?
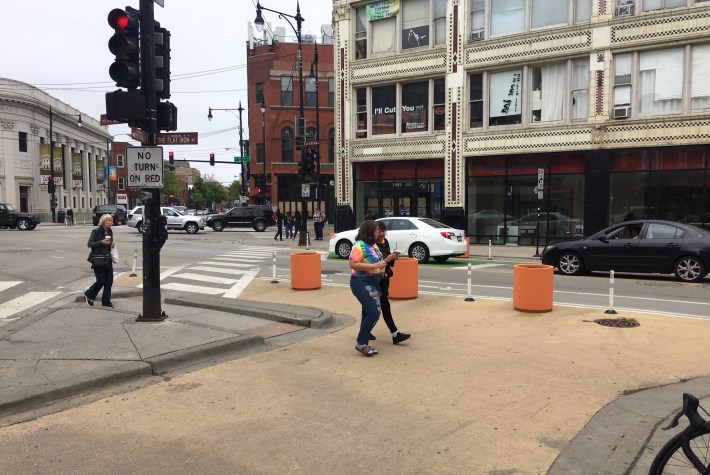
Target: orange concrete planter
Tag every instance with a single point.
(404, 284)
(532, 288)
(468, 247)
(305, 270)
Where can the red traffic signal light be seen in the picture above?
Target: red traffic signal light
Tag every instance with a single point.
(125, 45)
(171, 158)
(211, 159)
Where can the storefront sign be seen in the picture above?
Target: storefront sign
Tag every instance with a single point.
(381, 10)
(77, 177)
(504, 94)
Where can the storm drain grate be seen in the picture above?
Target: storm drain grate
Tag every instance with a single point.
(617, 322)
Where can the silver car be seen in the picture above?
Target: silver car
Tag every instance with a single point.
(187, 223)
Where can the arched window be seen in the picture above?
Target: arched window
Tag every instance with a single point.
(311, 134)
(287, 144)
(331, 145)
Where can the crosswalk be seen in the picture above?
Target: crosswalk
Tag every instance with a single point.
(225, 275)
(9, 309)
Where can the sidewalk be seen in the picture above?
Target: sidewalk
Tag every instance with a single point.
(480, 388)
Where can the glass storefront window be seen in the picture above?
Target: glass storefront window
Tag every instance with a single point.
(415, 100)
(384, 110)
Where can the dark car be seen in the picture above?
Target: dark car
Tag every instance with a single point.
(117, 212)
(12, 218)
(257, 217)
(645, 246)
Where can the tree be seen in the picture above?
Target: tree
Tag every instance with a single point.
(169, 184)
(235, 189)
(207, 193)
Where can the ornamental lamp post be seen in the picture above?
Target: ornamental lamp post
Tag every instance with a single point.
(263, 140)
(241, 131)
(51, 186)
(259, 23)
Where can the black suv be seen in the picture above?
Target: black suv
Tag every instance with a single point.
(117, 212)
(257, 217)
(12, 218)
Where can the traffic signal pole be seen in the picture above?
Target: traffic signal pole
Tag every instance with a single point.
(151, 196)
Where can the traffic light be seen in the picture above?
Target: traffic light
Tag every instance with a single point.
(51, 188)
(309, 165)
(162, 61)
(211, 159)
(125, 45)
(167, 116)
(171, 161)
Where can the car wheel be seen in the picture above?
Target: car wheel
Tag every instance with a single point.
(420, 252)
(441, 258)
(343, 248)
(139, 227)
(260, 226)
(570, 263)
(689, 269)
(191, 228)
(218, 226)
(23, 224)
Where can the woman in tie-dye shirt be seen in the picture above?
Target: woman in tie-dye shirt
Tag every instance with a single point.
(367, 267)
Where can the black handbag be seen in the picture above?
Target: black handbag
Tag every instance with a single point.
(100, 261)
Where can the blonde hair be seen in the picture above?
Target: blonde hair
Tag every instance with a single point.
(104, 218)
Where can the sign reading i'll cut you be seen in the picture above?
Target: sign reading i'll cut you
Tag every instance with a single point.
(144, 167)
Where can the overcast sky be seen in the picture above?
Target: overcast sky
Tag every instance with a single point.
(62, 48)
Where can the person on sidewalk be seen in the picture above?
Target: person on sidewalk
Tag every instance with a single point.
(288, 224)
(318, 218)
(367, 267)
(296, 224)
(101, 242)
(279, 225)
(69, 218)
(390, 258)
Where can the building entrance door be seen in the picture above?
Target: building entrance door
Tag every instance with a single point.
(403, 203)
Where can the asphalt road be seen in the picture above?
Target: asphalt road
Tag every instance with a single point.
(52, 259)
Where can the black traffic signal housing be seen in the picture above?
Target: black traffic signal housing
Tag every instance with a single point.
(167, 115)
(161, 61)
(171, 161)
(51, 188)
(211, 159)
(125, 45)
(310, 160)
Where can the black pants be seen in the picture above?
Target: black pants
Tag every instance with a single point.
(104, 278)
(279, 232)
(385, 304)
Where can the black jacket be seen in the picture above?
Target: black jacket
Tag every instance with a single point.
(97, 235)
(385, 250)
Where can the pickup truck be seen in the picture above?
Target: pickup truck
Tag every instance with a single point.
(12, 218)
(190, 224)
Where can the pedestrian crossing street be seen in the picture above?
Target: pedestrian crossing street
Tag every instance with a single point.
(225, 275)
(9, 309)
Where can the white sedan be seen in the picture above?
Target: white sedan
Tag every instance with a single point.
(419, 238)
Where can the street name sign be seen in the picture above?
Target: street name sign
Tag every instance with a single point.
(144, 167)
(176, 138)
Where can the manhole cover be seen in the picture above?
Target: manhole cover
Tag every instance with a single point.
(617, 322)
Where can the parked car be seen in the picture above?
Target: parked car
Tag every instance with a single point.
(420, 238)
(258, 217)
(12, 218)
(486, 221)
(180, 209)
(644, 246)
(117, 212)
(190, 224)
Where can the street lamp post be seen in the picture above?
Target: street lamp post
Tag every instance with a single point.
(51, 187)
(263, 140)
(259, 23)
(245, 169)
(314, 76)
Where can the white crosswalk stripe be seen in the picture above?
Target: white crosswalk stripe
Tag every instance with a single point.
(10, 308)
(227, 274)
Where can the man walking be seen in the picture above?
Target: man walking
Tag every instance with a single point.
(279, 225)
(318, 218)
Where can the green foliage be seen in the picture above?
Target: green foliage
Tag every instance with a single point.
(207, 194)
(169, 184)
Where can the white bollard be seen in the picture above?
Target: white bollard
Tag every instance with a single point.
(469, 298)
(611, 310)
(273, 260)
(490, 247)
(135, 260)
(308, 240)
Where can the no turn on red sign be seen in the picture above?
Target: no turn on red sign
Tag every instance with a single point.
(144, 167)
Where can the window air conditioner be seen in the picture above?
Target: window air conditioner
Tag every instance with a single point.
(476, 36)
(625, 10)
(622, 112)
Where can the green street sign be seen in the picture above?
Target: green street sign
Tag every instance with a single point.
(241, 159)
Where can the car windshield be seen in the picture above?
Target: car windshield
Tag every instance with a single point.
(433, 223)
(9, 207)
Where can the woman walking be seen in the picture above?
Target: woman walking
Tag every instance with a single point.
(367, 267)
(389, 257)
(101, 242)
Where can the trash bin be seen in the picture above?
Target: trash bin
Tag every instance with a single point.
(532, 287)
(305, 271)
(60, 216)
(404, 284)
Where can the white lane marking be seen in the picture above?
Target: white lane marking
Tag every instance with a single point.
(237, 288)
(479, 266)
(171, 271)
(192, 288)
(11, 307)
(219, 270)
(206, 278)
(228, 264)
(10, 283)
(248, 253)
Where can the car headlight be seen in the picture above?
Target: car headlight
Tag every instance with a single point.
(548, 248)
